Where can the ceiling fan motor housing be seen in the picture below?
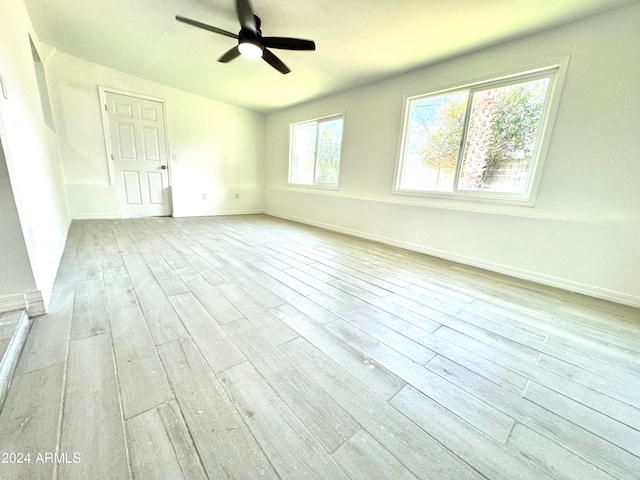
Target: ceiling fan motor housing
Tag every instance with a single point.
(248, 36)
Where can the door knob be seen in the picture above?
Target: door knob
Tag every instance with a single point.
(164, 167)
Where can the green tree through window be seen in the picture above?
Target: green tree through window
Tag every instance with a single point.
(491, 143)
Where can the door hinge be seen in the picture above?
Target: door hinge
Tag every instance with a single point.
(111, 156)
(105, 108)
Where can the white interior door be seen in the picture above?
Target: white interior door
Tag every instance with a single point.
(139, 152)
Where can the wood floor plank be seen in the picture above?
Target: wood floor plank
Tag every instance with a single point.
(293, 451)
(606, 322)
(605, 427)
(359, 269)
(419, 452)
(8, 323)
(480, 414)
(118, 289)
(574, 438)
(400, 343)
(406, 328)
(92, 421)
(89, 266)
(126, 244)
(600, 402)
(176, 261)
(48, 338)
(208, 254)
(363, 458)
(89, 242)
(275, 286)
(255, 289)
(552, 459)
(271, 326)
(487, 350)
(181, 441)
(612, 367)
(67, 272)
(340, 263)
(143, 384)
(163, 322)
(286, 279)
(595, 337)
(152, 453)
(225, 255)
(90, 310)
(414, 296)
(414, 315)
(216, 347)
(519, 332)
(494, 372)
(200, 265)
(215, 303)
(345, 281)
(508, 367)
(304, 277)
(370, 373)
(483, 453)
(466, 334)
(29, 422)
(335, 300)
(625, 392)
(168, 280)
(625, 361)
(314, 311)
(324, 418)
(226, 446)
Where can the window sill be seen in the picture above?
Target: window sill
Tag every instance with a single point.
(315, 186)
(470, 197)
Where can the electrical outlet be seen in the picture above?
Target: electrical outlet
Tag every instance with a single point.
(204, 196)
(237, 196)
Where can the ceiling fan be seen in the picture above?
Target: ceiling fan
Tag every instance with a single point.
(251, 43)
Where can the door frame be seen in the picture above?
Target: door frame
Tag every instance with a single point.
(102, 92)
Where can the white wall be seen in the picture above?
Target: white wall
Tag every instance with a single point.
(584, 231)
(219, 147)
(31, 150)
(16, 276)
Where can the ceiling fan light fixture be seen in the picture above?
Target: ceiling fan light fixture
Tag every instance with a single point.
(250, 50)
(251, 43)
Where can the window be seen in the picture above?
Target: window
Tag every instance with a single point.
(315, 152)
(479, 141)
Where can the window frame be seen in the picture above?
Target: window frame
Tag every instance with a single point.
(317, 121)
(555, 70)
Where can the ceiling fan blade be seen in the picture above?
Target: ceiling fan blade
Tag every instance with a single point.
(288, 43)
(274, 61)
(245, 15)
(230, 55)
(205, 26)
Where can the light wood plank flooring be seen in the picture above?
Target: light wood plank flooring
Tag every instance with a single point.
(8, 323)
(251, 347)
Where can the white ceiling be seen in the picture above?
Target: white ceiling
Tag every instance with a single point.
(358, 41)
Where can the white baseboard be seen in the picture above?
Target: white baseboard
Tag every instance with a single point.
(175, 214)
(218, 213)
(92, 216)
(32, 302)
(12, 302)
(10, 359)
(549, 280)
